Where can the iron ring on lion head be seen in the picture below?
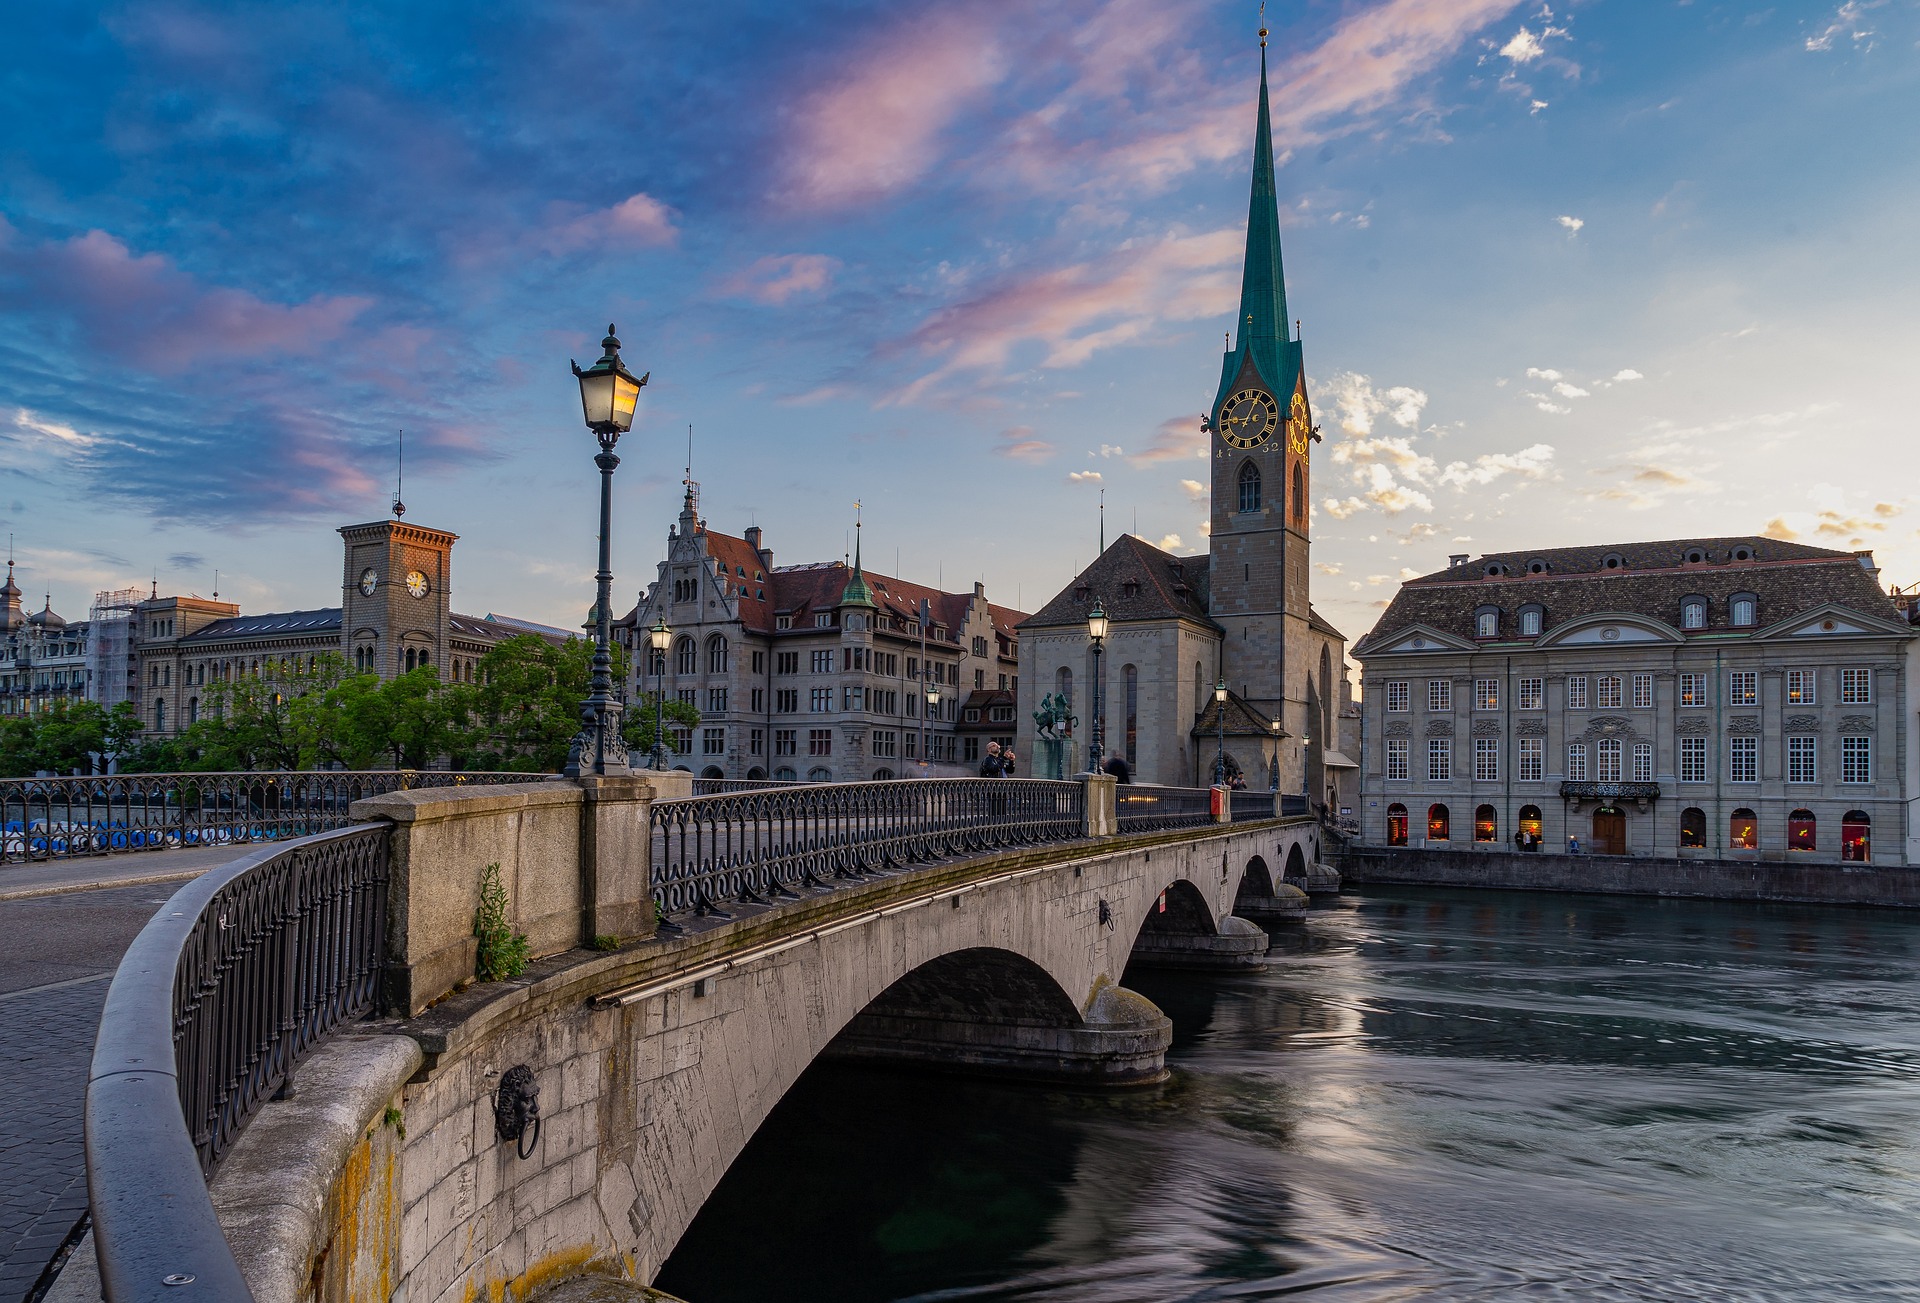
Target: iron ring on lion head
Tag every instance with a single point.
(516, 1109)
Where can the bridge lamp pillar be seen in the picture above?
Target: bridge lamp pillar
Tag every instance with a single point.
(608, 395)
(1220, 723)
(933, 704)
(659, 639)
(1097, 632)
(1273, 780)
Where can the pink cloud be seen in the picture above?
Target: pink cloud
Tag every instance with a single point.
(639, 219)
(1075, 311)
(777, 278)
(1019, 444)
(876, 127)
(145, 309)
(1175, 438)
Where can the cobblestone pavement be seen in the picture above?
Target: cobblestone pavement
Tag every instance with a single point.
(56, 956)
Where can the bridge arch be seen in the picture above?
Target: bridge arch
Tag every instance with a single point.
(1296, 863)
(1256, 882)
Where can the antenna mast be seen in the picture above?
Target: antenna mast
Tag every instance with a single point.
(400, 478)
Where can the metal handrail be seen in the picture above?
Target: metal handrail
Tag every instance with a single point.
(728, 786)
(1143, 807)
(1252, 805)
(65, 818)
(712, 850)
(240, 974)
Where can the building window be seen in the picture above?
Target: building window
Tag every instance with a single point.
(819, 774)
(1643, 762)
(717, 655)
(1577, 692)
(1856, 760)
(713, 741)
(1063, 685)
(681, 741)
(1606, 755)
(1693, 689)
(979, 680)
(1397, 695)
(1439, 694)
(822, 662)
(1396, 824)
(1743, 760)
(823, 620)
(853, 699)
(1856, 836)
(821, 701)
(786, 701)
(1577, 762)
(1533, 758)
(1743, 688)
(1487, 624)
(1131, 676)
(784, 741)
(1693, 760)
(1743, 831)
(1693, 829)
(687, 657)
(1486, 824)
(757, 700)
(885, 742)
(1801, 687)
(756, 742)
(716, 701)
(1800, 831)
(1856, 687)
(1643, 692)
(1530, 622)
(1486, 760)
(688, 695)
(970, 750)
(787, 662)
(1396, 758)
(1743, 611)
(1438, 823)
(783, 622)
(1486, 694)
(1608, 695)
(1249, 487)
(1532, 694)
(159, 715)
(819, 741)
(1802, 762)
(1439, 760)
(1693, 615)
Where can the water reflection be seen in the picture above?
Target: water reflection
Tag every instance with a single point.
(1446, 1095)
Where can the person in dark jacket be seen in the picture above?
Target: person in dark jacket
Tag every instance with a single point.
(1119, 768)
(991, 765)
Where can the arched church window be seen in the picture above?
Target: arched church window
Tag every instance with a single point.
(687, 657)
(1299, 492)
(717, 655)
(1249, 487)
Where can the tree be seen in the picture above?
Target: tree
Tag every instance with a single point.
(71, 735)
(637, 726)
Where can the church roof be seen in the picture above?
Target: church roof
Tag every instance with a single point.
(1261, 326)
(1242, 720)
(1650, 579)
(1134, 580)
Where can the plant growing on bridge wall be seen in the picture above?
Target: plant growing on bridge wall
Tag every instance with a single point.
(502, 952)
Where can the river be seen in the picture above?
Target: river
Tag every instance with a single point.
(1428, 1094)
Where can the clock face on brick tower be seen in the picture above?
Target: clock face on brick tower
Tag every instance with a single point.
(1248, 418)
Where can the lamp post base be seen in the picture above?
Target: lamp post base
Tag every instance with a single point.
(598, 748)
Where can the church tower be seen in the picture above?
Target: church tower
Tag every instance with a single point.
(1262, 432)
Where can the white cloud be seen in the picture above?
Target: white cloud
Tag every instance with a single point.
(65, 434)
(1408, 572)
(1529, 463)
(1573, 224)
(1108, 450)
(1326, 567)
(1566, 390)
(1535, 106)
(1537, 373)
(1084, 477)
(1168, 542)
(1620, 377)
(1525, 47)
(1195, 490)
(1546, 405)
(1360, 404)
(1340, 509)
(1846, 22)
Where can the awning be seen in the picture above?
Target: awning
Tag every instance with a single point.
(1336, 760)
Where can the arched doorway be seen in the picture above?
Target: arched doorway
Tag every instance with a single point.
(1396, 824)
(1693, 829)
(1609, 831)
(1802, 831)
(1486, 824)
(1743, 831)
(1856, 836)
(1530, 826)
(713, 771)
(1439, 823)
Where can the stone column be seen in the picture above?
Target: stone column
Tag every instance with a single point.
(616, 838)
(1102, 801)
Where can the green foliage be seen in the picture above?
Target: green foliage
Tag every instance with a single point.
(394, 1118)
(637, 725)
(73, 737)
(503, 952)
(606, 941)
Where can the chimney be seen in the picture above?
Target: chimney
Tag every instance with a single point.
(753, 537)
(980, 589)
(1458, 559)
(1866, 562)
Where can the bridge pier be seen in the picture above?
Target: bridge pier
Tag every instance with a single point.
(1287, 903)
(1238, 946)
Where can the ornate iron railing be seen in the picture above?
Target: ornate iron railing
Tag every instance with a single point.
(1253, 805)
(1141, 807)
(1293, 803)
(221, 994)
(712, 850)
(728, 786)
(61, 818)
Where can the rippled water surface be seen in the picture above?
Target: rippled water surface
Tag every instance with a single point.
(1427, 1095)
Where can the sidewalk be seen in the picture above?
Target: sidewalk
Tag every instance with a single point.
(133, 868)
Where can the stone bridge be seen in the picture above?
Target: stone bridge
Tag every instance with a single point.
(385, 1174)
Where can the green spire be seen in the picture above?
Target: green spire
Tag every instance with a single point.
(857, 593)
(1261, 325)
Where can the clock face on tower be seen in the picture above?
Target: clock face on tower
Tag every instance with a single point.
(1248, 419)
(1299, 425)
(368, 582)
(416, 583)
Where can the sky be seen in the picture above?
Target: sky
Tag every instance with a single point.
(1566, 273)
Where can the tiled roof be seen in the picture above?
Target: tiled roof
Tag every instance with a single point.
(740, 564)
(1650, 579)
(1317, 621)
(273, 624)
(1133, 580)
(499, 628)
(1242, 720)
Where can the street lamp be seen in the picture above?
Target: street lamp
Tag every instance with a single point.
(1273, 781)
(659, 638)
(1096, 630)
(608, 394)
(1306, 773)
(1220, 720)
(933, 704)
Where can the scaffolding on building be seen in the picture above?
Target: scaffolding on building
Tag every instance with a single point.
(110, 645)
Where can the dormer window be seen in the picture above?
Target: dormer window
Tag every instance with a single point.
(1743, 553)
(1693, 613)
(1743, 610)
(823, 619)
(1696, 556)
(1531, 618)
(1082, 593)
(1536, 567)
(1131, 588)
(1486, 622)
(1613, 561)
(1495, 570)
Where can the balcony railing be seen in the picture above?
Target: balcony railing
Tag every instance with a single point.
(712, 850)
(1141, 807)
(62, 818)
(232, 982)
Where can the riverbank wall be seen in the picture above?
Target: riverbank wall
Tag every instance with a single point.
(1616, 875)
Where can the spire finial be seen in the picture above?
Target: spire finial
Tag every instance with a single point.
(216, 585)
(1263, 24)
(1103, 522)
